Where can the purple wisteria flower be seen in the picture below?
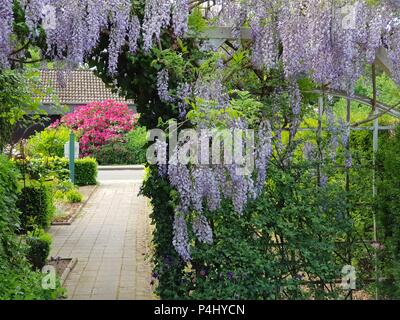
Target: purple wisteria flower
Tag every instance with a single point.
(181, 238)
(157, 15)
(202, 230)
(324, 181)
(180, 14)
(308, 151)
(133, 33)
(161, 150)
(263, 155)
(348, 162)
(345, 132)
(333, 130)
(183, 92)
(6, 21)
(162, 85)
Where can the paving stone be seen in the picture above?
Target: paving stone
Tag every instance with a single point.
(109, 239)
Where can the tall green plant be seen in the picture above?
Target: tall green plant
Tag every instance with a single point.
(48, 143)
(388, 213)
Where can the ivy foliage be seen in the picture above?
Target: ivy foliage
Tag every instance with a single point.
(285, 242)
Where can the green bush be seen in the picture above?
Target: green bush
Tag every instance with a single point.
(48, 168)
(48, 143)
(73, 196)
(133, 151)
(137, 142)
(114, 153)
(56, 168)
(17, 280)
(36, 205)
(85, 172)
(61, 188)
(39, 243)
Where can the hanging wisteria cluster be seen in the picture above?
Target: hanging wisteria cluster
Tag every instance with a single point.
(202, 188)
(204, 183)
(329, 41)
(183, 92)
(6, 20)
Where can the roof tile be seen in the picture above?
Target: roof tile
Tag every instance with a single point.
(81, 87)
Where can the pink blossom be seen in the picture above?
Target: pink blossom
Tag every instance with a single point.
(100, 123)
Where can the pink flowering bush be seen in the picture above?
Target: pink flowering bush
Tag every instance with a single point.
(100, 123)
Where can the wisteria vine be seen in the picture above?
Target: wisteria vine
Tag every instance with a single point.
(329, 41)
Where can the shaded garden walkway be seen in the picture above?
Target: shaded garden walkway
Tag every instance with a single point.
(110, 239)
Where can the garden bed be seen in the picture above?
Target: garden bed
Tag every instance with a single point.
(63, 266)
(67, 212)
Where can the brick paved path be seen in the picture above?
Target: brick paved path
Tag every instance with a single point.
(110, 239)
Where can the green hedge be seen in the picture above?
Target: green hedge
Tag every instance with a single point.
(50, 168)
(85, 172)
(116, 153)
(8, 210)
(36, 205)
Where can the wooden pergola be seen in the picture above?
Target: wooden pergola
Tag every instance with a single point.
(218, 36)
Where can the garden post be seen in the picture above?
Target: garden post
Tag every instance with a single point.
(72, 156)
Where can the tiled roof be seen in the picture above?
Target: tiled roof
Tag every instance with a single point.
(78, 87)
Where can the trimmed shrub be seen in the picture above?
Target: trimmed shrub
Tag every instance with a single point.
(114, 153)
(36, 205)
(48, 143)
(39, 243)
(85, 172)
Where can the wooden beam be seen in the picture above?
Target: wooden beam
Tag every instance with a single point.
(385, 108)
(225, 33)
(383, 61)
